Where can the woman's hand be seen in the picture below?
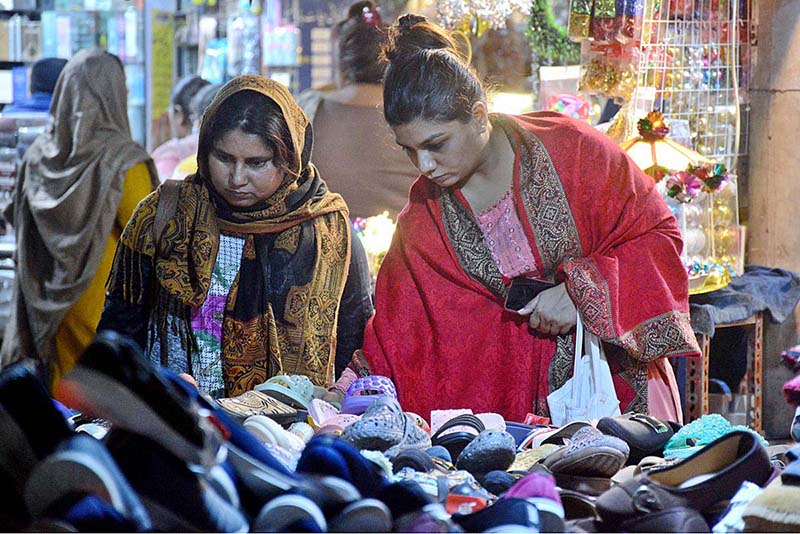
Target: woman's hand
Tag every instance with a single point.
(190, 379)
(551, 311)
(332, 396)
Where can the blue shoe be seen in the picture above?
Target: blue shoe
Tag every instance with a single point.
(404, 497)
(83, 513)
(114, 381)
(176, 498)
(32, 426)
(82, 465)
(505, 515)
(328, 455)
(290, 513)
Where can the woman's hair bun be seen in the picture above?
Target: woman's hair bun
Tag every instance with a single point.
(365, 12)
(408, 20)
(357, 8)
(412, 33)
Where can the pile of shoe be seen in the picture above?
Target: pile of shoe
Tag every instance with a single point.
(153, 454)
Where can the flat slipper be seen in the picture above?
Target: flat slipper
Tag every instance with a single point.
(491, 450)
(455, 442)
(295, 390)
(590, 453)
(319, 411)
(253, 402)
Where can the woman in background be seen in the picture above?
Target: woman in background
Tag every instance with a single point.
(197, 107)
(353, 147)
(79, 184)
(183, 144)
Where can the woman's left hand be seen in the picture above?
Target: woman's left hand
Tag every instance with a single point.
(551, 311)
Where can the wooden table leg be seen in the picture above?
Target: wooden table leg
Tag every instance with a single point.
(697, 381)
(757, 375)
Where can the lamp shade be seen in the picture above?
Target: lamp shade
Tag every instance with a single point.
(656, 155)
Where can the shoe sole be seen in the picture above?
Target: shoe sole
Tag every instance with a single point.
(70, 472)
(368, 515)
(267, 482)
(599, 461)
(166, 520)
(282, 511)
(94, 393)
(263, 480)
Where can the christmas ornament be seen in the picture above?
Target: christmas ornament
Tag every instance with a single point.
(482, 14)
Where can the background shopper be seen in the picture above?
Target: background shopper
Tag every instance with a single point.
(183, 143)
(354, 149)
(79, 183)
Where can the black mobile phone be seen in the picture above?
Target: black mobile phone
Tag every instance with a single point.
(522, 290)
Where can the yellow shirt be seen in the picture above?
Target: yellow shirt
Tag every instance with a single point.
(186, 167)
(80, 325)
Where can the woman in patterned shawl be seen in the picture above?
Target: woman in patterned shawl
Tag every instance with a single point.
(253, 274)
(537, 196)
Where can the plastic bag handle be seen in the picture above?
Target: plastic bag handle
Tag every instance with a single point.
(576, 366)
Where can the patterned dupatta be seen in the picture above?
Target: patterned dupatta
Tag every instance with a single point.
(281, 313)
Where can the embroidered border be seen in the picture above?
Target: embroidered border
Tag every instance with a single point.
(668, 334)
(560, 369)
(636, 376)
(467, 240)
(545, 201)
(588, 287)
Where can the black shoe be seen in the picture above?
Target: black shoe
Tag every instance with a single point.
(114, 381)
(32, 428)
(505, 515)
(176, 498)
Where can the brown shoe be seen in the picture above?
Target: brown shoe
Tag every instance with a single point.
(704, 479)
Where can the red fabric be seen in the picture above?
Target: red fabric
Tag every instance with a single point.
(447, 341)
(791, 390)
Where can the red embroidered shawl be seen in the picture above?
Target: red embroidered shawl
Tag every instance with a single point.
(593, 219)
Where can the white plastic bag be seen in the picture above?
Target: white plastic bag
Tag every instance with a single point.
(589, 394)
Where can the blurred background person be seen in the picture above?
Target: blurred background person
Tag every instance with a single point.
(79, 183)
(44, 74)
(197, 107)
(168, 155)
(354, 148)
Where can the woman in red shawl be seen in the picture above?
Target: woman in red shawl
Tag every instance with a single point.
(538, 196)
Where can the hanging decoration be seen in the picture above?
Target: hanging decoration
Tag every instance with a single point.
(479, 15)
(547, 38)
(684, 186)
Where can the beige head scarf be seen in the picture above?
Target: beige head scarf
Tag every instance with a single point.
(66, 199)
